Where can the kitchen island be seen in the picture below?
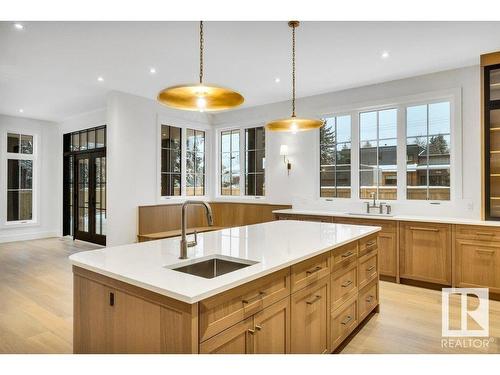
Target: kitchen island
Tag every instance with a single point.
(300, 287)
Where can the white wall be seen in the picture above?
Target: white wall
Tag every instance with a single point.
(84, 121)
(132, 150)
(301, 187)
(49, 179)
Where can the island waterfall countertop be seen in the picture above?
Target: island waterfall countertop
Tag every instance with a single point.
(426, 219)
(274, 245)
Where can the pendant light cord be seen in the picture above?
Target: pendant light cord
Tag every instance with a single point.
(201, 52)
(293, 71)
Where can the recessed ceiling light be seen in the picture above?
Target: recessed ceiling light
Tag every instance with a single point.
(277, 80)
(100, 79)
(18, 26)
(385, 55)
(21, 110)
(152, 70)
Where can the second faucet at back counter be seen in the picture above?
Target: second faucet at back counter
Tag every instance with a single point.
(380, 206)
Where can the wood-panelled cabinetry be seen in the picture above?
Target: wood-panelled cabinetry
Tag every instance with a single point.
(425, 252)
(309, 307)
(477, 257)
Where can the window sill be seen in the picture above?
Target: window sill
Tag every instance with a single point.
(20, 224)
(181, 199)
(239, 198)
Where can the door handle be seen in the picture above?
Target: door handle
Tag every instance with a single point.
(317, 298)
(111, 299)
(346, 284)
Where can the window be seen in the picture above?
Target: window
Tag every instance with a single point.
(428, 151)
(20, 162)
(195, 162)
(230, 162)
(170, 161)
(335, 157)
(378, 157)
(255, 153)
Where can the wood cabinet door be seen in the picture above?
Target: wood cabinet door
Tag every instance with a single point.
(235, 340)
(425, 252)
(272, 329)
(310, 319)
(92, 317)
(387, 254)
(478, 264)
(135, 325)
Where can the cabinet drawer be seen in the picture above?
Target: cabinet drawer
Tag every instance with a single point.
(343, 256)
(228, 308)
(343, 321)
(368, 269)
(344, 285)
(309, 271)
(471, 232)
(368, 244)
(368, 300)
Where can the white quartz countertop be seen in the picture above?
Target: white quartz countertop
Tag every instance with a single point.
(274, 245)
(427, 219)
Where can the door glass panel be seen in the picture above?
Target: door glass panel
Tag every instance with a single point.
(495, 84)
(83, 195)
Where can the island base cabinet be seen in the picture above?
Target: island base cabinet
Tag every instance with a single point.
(235, 340)
(267, 332)
(310, 319)
(344, 320)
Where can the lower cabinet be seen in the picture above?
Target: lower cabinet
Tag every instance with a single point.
(425, 252)
(111, 321)
(267, 332)
(310, 309)
(343, 321)
(477, 264)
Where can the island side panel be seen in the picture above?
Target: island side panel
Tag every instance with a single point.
(111, 316)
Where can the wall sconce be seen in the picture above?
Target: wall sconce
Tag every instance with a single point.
(284, 153)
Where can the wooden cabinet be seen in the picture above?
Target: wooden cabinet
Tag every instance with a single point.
(425, 252)
(235, 340)
(344, 285)
(343, 321)
(477, 264)
(309, 271)
(111, 321)
(272, 329)
(317, 218)
(310, 311)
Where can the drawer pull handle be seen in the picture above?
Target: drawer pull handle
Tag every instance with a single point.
(485, 251)
(348, 254)
(371, 243)
(369, 299)
(425, 229)
(370, 268)
(346, 284)
(251, 331)
(258, 328)
(260, 295)
(314, 270)
(346, 320)
(316, 299)
(484, 234)
(111, 299)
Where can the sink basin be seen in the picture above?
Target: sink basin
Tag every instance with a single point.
(214, 266)
(368, 214)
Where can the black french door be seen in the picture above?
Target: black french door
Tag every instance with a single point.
(89, 206)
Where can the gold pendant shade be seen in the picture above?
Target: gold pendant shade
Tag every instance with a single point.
(199, 96)
(294, 124)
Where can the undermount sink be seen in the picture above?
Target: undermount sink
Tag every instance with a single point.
(368, 214)
(214, 266)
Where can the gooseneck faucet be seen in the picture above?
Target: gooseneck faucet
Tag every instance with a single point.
(184, 243)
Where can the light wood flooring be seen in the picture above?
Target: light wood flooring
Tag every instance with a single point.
(36, 307)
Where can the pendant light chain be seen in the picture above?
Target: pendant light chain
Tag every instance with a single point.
(293, 71)
(201, 52)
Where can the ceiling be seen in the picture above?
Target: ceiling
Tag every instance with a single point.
(50, 69)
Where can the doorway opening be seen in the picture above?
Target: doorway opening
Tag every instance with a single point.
(84, 190)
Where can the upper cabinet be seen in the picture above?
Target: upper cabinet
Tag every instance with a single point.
(490, 69)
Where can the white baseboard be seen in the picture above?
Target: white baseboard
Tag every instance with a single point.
(27, 236)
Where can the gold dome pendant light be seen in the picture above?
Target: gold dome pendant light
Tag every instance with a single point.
(293, 123)
(200, 97)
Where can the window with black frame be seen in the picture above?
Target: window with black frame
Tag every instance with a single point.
(171, 140)
(255, 158)
(195, 162)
